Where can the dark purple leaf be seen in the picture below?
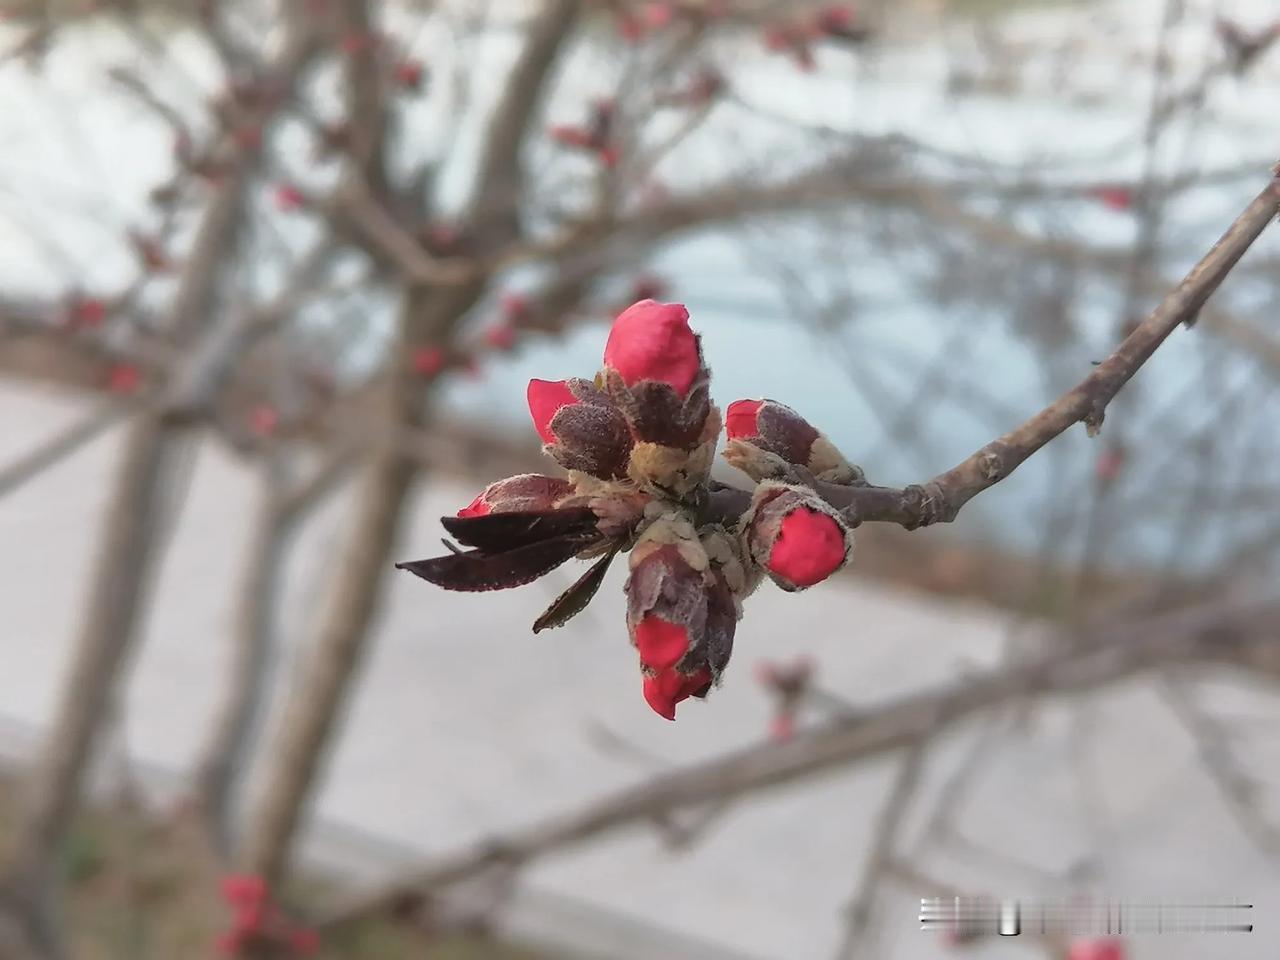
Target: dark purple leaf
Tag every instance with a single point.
(574, 600)
(500, 532)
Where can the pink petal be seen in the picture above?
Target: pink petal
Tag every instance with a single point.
(668, 688)
(740, 419)
(476, 508)
(661, 643)
(546, 397)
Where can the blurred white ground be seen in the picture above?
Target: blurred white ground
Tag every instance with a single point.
(465, 724)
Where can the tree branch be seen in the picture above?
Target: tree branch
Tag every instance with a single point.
(1201, 633)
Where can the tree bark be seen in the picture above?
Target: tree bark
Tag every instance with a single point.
(124, 564)
(356, 594)
(129, 552)
(226, 750)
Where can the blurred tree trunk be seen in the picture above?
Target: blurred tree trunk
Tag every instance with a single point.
(359, 580)
(226, 750)
(429, 315)
(122, 572)
(130, 546)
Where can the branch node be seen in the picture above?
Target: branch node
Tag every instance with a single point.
(1093, 419)
(991, 464)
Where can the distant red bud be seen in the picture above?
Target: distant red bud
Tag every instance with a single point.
(124, 378)
(409, 74)
(264, 420)
(428, 361)
(500, 337)
(1113, 197)
(289, 197)
(1108, 948)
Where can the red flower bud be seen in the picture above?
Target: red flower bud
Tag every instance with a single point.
(583, 430)
(652, 341)
(428, 361)
(409, 74)
(516, 307)
(658, 15)
(782, 727)
(765, 436)
(264, 421)
(1109, 464)
(88, 313)
(244, 890)
(440, 239)
(778, 39)
(682, 610)
(523, 493)
(569, 136)
(809, 548)
(247, 137)
(500, 337)
(124, 378)
(355, 43)
(795, 536)
(630, 27)
(1106, 948)
(303, 942)
(289, 198)
(1112, 197)
(842, 22)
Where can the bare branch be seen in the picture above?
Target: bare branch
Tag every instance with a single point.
(1201, 633)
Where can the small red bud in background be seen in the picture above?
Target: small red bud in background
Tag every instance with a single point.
(355, 43)
(428, 361)
(570, 136)
(264, 420)
(777, 39)
(1112, 197)
(630, 27)
(124, 379)
(782, 727)
(248, 137)
(87, 314)
(304, 942)
(658, 16)
(516, 308)
(289, 198)
(501, 336)
(1110, 463)
(1103, 948)
(409, 74)
(244, 890)
(440, 239)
